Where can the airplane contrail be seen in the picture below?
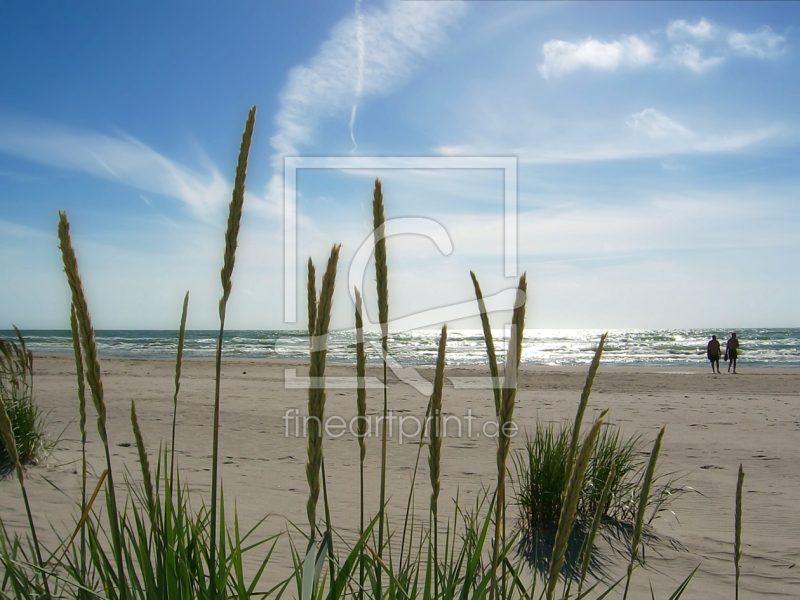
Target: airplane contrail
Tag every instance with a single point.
(360, 75)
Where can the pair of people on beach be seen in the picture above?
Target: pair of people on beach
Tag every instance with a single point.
(731, 352)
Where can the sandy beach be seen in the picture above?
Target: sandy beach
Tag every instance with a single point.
(713, 424)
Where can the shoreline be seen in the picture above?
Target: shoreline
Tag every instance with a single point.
(678, 370)
(713, 424)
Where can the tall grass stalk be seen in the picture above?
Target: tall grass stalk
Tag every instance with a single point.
(587, 390)
(311, 288)
(643, 499)
(361, 426)
(569, 506)
(95, 381)
(312, 322)
(737, 540)
(178, 364)
(7, 435)
(79, 526)
(76, 350)
(231, 240)
(144, 462)
(328, 523)
(382, 282)
(316, 390)
(598, 516)
(435, 450)
(408, 519)
(506, 418)
(489, 340)
(312, 303)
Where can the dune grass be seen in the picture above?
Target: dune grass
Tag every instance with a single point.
(16, 391)
(159, 546)
(542, 475)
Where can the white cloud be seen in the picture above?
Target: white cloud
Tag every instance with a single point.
(682, 50)
(689, 57)
(122, 159)
(764, 43)
(656, 124)
(680, 30)
(562, 57)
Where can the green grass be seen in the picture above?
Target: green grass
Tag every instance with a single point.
(16, 390)
(542, 473)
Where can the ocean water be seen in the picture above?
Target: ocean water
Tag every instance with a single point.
(624, 347)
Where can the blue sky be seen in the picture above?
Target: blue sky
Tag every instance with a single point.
(656, 143)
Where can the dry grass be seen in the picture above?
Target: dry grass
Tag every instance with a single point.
(316, 390)
(94, 378)
(737, 540)
(489, 341)
(570, 506)
(645, 495)
(226, 275)
(382, 282)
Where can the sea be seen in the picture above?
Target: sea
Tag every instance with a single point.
(557, 347)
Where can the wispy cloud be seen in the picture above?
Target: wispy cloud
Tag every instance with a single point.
(697, 47)
(121, 158)
(368, 54)
(764, 43)
(649, 133)
(690, 57)
(680, 30)
(658, 140)
(21, 231)
(562, 57)
(656, 124)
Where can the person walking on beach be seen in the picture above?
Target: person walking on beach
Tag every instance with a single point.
(714, 351)
(731, 351)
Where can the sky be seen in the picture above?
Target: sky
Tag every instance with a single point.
(651, 158)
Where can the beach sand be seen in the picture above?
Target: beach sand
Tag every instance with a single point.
(713, 424)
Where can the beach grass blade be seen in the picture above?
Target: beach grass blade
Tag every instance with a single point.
(435, 450)
(316, 389)
(95, 381)
(316, 553)
(570, 504)
(737, 542)
(598, 516)
(7, 435)
(506, 419)
(144, 462)
(229, 258)
(76, 350)
(361, 426)
(643, 500)
(587, 390)
(382, 282)
(178, 364)
(489, 341)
